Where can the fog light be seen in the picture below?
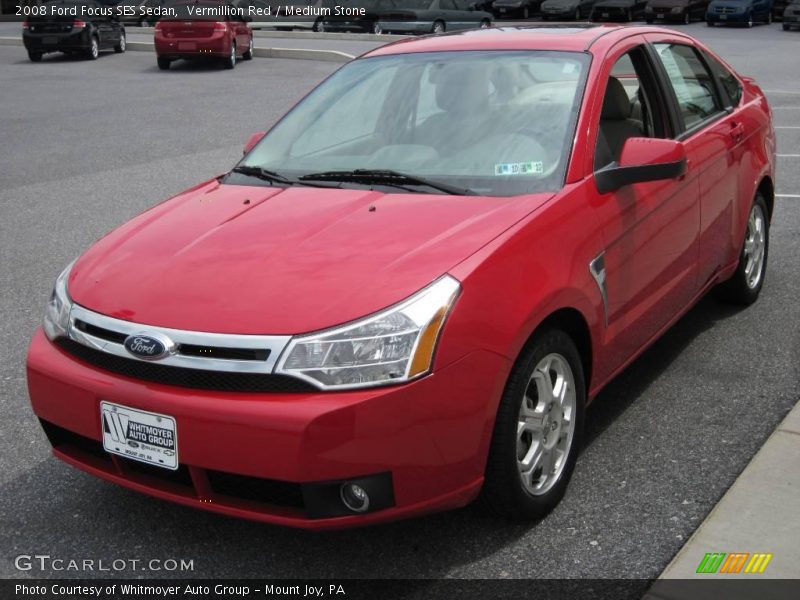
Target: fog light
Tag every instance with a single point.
(354, 497)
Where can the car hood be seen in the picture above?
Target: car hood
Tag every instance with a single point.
(262, 260)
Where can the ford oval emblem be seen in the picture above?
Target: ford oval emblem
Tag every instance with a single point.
(148, 346)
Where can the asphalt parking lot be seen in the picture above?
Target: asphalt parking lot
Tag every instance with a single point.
(90, 144)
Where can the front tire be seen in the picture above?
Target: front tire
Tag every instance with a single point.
(248, 54)
(485, 24)
(163, 63)
(745, 285)
(538, 429)
(438, 27)
(120, 47)
(319, 26)
(376, 28)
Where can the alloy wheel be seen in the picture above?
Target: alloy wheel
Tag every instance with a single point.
(754, 246)
(546, 424)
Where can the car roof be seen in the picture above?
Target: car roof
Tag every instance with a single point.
(572, 38)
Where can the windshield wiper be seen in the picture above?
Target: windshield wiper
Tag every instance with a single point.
(264, 174)
(386, 177)
(272, 176)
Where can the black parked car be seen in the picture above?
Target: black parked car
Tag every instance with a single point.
(566, 10)
(516, 8)
(85, 36)
(618, 10)
(683, 11)
(778, 6)
(791, 15)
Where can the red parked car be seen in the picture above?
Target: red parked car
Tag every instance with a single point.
(406, 293)
(203, 29)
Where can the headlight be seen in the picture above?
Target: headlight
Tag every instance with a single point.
(56, 315)
(392, 346)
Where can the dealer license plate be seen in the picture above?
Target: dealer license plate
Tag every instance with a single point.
(144, 436)
(606, 15)
(660, 16)
(187, 46)
(50, 40)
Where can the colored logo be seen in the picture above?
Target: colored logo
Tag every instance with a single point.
(734, 562)
(148, 347)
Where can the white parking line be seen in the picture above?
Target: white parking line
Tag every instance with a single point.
(787, 195)
(781, 92)
(787, 127)
(788, 155)
(786, 108)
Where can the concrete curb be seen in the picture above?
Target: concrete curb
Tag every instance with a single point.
(290, 53)
(760, 513)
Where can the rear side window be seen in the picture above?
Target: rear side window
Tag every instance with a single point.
(692, 82)
(731, 85)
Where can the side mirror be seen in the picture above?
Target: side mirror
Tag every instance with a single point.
(641, 160)
(253, 140)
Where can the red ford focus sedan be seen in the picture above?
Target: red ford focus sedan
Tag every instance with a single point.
(406, 293)
(202, 29)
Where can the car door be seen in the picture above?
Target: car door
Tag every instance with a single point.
(650, 230)
(713, 138)
(455, 14)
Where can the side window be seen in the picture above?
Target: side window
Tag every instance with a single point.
(728, 80)
(447, 5)
(691, 81)
(631, 108)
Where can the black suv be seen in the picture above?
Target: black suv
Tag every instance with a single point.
(82, 27)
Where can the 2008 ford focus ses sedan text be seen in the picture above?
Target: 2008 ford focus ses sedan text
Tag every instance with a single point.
(406, 293)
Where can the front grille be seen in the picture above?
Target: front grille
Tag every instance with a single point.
(254, 489)
(225, 381)
(103, 334)
(180, 476)
(205, 351)
(276, 493)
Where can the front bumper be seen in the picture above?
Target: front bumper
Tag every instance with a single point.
(610, 13)
(57, 42)
(661, 17)
(430, 436)
(727, 17)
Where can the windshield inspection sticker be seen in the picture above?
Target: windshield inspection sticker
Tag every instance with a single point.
(524, 168)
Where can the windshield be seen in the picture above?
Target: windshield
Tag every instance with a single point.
(496, 123)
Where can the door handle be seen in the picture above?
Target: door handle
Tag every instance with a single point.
(737, 132)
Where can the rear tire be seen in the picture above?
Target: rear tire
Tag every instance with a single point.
(485, 24)
(248, 55)
(319, 26)
(438, 27)
(163, 63)
(230, 62)
(785, 28)
(120, 47)
(376, 28)
(538, 429)
(745, 285)
(35, 56)
(94, 49)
